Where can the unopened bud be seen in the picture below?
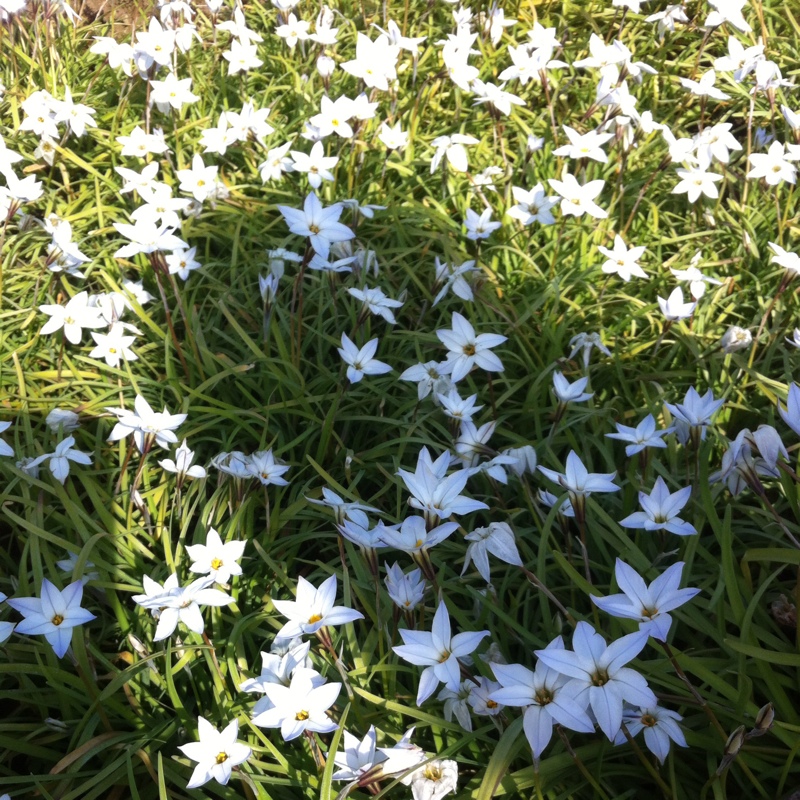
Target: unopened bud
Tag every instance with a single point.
(325, 66)
(764, 721)
(769, 444)
(732, 748)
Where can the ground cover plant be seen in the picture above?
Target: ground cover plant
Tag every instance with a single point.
(397, 400)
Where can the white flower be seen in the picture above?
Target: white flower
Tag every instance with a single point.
(413, 535)
(53, 615)
(642, 436)
(263, 466)
(114, 346)
(622, 260)
(495, 96)
(673, 308)
(430, 377)
(532, 206)
(315, 164)
(59, 460)
(697, 280)
(199, 181)
(649, 605)
(276, 163)
(773, 166)
(171, 93)
(435, 492)
(694, 413)
(480, 226)
(437, 651)
(392, 136)
(313, 609)
(785, 258)
(451, 149)
(172, 603)
(466, 349)
(729, 11)
(73, 317)
(497, 539)
(567, 392)
(578, 481)
(705, 86)
(696, 181)
(358, 758)
(377, 302)
(293, 30)
(434, 780)
(375, 61)
(578, 200)
(361, 361)
(454, 277)
(320, 225)
(659, 726)
(301, 706)
(542, 694)
(146, 424)
(182, 465)
(217, 753)
(737, 338)
(241, 57)
(599, 677)
(585, 342)
(216, 558)
(406, 590)
(661, 511)
(586, 145)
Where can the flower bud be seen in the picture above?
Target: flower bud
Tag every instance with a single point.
(525, 459)
(62, 418)
(769, 444)
(325, 66)
(732, 748)
(764, 721)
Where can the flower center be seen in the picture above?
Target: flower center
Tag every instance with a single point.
(301, 716)
(543, 697)
(491, 704)
(314, 618)
(469, 349)
(433, 772)
(314, 228)
(600, 678)
(57, 619)
(216, 563)
(221, 758)
(444, 656)
(648, 720)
